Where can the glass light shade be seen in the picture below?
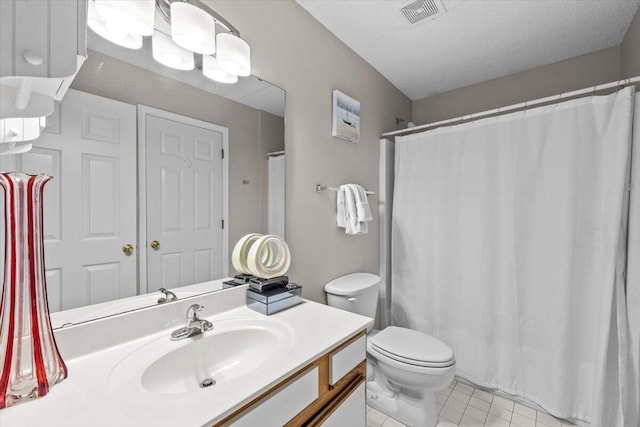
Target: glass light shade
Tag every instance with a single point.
(166, 52)
(134, 16)
(15, 148)
(211, 69)
(110, 31)
(234, 54)
(192, 28)
(21, 129)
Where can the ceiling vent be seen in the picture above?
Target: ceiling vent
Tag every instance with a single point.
(420, 10)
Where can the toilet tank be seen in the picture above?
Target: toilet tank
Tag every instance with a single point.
(356, 292)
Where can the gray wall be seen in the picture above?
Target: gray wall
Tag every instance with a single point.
(603, 66)
(631, 49)
(575, 73)
(292, 50)
(108, 77)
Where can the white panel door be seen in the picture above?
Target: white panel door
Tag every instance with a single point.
(89, 147)
(184, 202)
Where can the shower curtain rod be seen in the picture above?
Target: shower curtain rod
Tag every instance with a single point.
(554, 98)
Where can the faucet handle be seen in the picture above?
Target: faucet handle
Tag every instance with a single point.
(168, 296)
(192, 312)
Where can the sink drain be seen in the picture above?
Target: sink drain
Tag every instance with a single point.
(207, 382)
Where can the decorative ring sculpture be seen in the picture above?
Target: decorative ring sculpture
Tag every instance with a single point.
(240, 252)
(261, 256)
(279, 261)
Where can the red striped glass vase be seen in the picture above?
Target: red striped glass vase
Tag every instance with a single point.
(29, 359)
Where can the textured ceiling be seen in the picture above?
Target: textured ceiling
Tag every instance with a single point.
(475, 41)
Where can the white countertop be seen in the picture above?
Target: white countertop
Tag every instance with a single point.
(88, 398)
(109, 308)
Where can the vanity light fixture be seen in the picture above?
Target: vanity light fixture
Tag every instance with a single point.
(111, 31)
(135, 17)
(166, 52)
(16, 133)
(193, 28)
(212, 70)
(233, 54)
(15, 129)
(193, 31)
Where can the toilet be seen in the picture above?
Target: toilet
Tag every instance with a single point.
(404, 367)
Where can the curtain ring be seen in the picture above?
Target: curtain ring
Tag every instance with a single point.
(624, 83)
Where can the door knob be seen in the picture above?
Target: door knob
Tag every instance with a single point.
(155, 245)
(127, 249)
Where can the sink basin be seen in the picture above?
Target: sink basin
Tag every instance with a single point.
(232, 350)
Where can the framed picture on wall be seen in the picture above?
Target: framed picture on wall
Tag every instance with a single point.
(346, 117)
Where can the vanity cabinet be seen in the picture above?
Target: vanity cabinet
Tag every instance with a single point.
(328, 392)
(350, 412)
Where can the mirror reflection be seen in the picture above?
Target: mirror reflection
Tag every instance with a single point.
(157, 172)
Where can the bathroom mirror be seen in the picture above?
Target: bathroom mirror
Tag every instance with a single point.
(144, 187)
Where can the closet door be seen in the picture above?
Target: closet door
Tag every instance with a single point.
(89, 147)
(184, 201)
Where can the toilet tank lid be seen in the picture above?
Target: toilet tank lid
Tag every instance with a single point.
(352, 284)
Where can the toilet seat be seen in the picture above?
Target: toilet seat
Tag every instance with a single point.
(412, 347)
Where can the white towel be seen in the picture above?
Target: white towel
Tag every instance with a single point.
(362, 204)
(353, 210)
(341, 217)
(354, 226)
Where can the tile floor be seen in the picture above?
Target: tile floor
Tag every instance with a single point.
(465, 406)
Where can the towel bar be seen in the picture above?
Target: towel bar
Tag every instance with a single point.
(320, 188)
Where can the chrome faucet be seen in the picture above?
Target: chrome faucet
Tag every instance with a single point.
(195, 325)
(168, 296)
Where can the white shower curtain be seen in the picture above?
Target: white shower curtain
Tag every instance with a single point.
(508, 244)
(633, 276)
(275, 214)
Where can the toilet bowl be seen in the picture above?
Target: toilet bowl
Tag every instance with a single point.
(404, 367)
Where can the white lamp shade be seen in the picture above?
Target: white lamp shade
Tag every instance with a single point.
(193, 28)
(211, 69)
(234, 54)
(135, 17)
(20, 129)
(166, 52)
(15, 148)
(110, 31)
